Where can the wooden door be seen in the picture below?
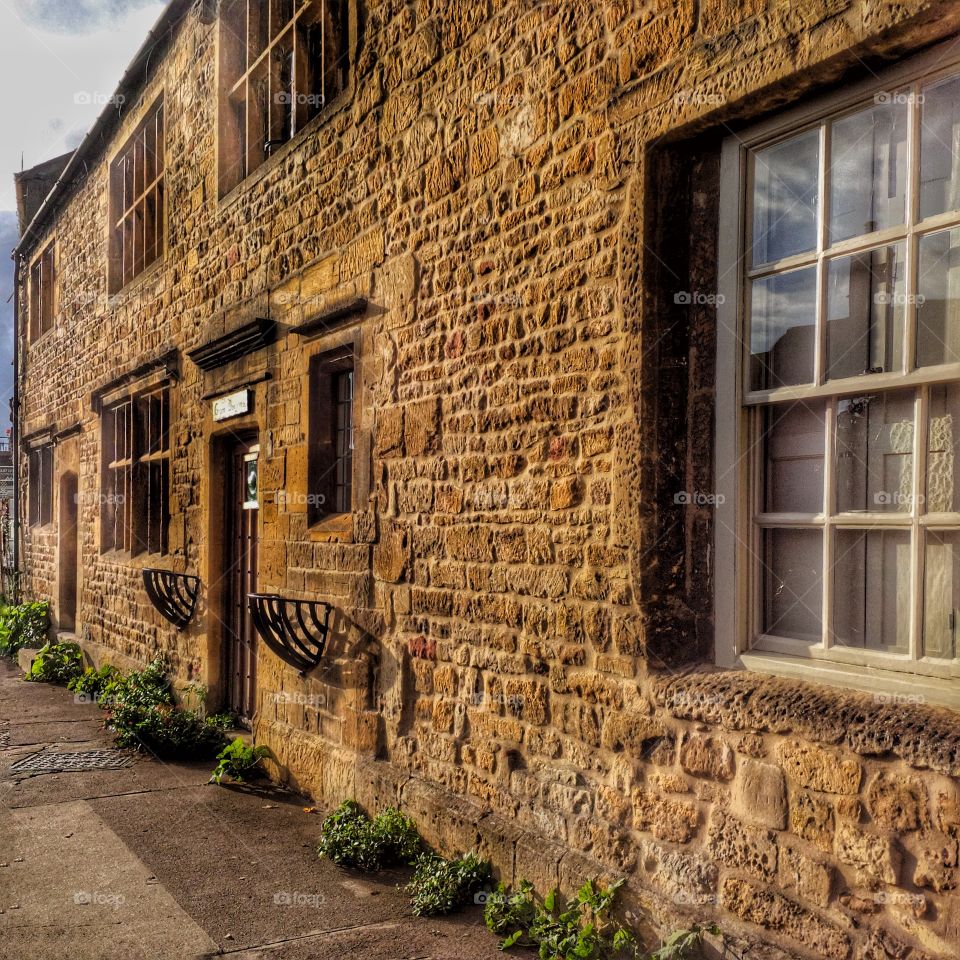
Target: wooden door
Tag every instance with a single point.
(241, 574)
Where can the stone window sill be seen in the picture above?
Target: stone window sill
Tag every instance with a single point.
(762, 699)
(338, 527)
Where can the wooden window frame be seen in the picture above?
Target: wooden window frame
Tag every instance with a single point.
(138, 200)
(739, 448)
(135, 515)
(292, 91)
(331, 435)
(40, 479)
(43, 292)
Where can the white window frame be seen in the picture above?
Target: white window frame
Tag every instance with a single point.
(737, 595)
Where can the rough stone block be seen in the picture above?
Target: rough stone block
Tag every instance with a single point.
(877, 859)
(706, 757)
(819, 769)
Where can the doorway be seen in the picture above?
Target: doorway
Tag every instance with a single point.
(67, 529)
(240, 576)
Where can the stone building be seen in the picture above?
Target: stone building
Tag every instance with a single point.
(597, 363)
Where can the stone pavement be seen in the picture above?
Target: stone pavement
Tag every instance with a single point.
(149, 862)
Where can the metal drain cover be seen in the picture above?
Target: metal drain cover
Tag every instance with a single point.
(49, 762)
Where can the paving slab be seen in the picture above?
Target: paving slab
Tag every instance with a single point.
(151, 862)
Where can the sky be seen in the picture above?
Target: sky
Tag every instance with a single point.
(59, 61)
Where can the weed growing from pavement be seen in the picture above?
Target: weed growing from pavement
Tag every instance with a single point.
(351, 839)
(443, 886)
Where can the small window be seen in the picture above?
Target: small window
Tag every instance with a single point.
(41, 485)
(136, 474)
(331, 435)
(281, 63)
(137, 203)
(849, 452)
(42, 293)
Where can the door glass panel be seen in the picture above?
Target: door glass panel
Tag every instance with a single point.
(871, 589)
(874, 447)
(868, 170)
(940, 147)
(943, 439)
(865, 301)
(793, 585)
(938, 303)
(783, 329)
(785, 198)
(794, 443)
(941, 594)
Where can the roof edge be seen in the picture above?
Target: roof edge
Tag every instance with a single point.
(134, 78)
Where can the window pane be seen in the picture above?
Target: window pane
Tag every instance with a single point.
(943, 438)
(875, 453)
(871, 589)
(794, 441)
(941, 594)
(785, 198)
(940, 148)
(868, 170)
(865, 301)
(792, 577)
(938, 305)
(783, 329)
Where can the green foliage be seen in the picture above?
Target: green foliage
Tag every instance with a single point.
(442, 886)
(91, 684)
(683, 944)
(351, 839)
(23, 625)
(579, 930)
(239, 761)
(56, 663)
(142, 713)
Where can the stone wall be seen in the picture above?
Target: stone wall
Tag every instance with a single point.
(518, 189)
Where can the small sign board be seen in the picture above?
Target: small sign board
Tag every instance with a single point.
(232, 405)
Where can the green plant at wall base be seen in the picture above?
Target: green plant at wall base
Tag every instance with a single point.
(56, 663)
(91, 684)
(23, 625)
(579, 930)
(240, 762)
(142, 713)
(684, 944)
(442, 886)
(351, 839)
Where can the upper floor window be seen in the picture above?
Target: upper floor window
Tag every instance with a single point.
(43, 280)
(845, 511)
(330, 460)
(136, 473)
(281, 63)
(40, 480)
(137, 206)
